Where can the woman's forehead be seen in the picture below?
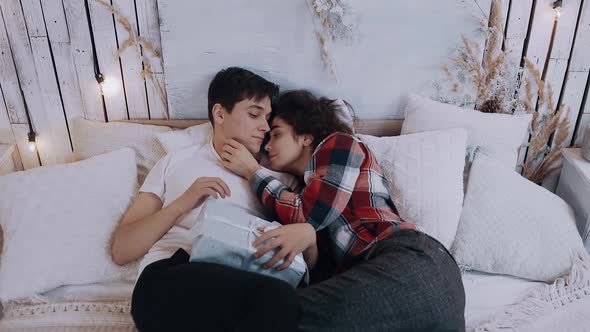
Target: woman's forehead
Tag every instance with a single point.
(277, 122)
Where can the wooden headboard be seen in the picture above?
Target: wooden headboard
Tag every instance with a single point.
(386, 127)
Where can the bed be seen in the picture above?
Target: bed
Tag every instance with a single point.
(105, 306)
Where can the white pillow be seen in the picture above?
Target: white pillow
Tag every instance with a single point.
(58, 222)
(499, 135)
(91, 138)
(179, 139)
(426, 171)
(510, 225)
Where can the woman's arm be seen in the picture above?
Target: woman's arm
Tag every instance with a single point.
(330, 183)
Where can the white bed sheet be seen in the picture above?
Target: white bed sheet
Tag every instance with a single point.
(486, 294)
(99, 292)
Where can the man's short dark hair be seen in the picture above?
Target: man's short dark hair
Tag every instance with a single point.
(234, 84)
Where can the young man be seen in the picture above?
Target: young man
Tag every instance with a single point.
(156, 225)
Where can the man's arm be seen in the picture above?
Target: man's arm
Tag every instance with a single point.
(311, 256)
(145, 222)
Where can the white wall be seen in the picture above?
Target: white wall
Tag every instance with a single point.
(398, 47)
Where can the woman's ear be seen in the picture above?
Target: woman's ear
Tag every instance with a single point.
(307, 140)
(217, 113)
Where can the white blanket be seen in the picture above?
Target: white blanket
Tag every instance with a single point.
(563, 305)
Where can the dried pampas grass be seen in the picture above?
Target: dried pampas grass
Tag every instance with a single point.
(495, 85)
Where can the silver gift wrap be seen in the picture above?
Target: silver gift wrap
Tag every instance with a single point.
(224, 234)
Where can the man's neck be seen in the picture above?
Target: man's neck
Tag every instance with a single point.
(219, 142)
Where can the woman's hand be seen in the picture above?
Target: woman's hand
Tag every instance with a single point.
(199, 191)
(292, 240)
(238, 159)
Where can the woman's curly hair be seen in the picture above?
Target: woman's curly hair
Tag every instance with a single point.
(310, 115)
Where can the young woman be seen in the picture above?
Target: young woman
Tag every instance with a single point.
(370, 269)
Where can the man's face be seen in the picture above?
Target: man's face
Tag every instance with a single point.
(248, 123)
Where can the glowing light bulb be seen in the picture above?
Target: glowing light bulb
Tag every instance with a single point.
(109, 87)
(557, 12)
(32, 146)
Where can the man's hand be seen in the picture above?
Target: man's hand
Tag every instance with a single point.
(238, 159)
(198, 192)
(292, 240)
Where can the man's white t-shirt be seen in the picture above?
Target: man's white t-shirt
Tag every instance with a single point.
(175, 173)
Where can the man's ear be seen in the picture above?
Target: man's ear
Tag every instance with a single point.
(218, 114)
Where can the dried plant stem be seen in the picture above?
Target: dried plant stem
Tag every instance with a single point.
(146, 48)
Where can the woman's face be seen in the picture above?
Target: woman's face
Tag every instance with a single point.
(285, 148)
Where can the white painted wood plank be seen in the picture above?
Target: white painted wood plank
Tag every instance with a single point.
(517, 27)
(6, 134)
(29, 159)
(561, 50)
(18, 164)
(581, 53)
(55, 21)
(61, 146)
(566, 27)
(540, 35)
(555, 76)
(504, 10)
(43, 62)
(57, 32)
(577, 76)
(573, 94)
(157, 97)
(34, 17)
(81, 50)
(132, 63)
(522, 151)
(9, 80)
(484, 15)
(149, 29)
(106, 50)
(23, 58)
(68, 81)
(50, 94)
(583, 123)
(560, 54)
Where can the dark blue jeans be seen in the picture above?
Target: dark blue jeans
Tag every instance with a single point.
(406, 283)
(409, 282)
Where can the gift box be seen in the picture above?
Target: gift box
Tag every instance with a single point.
(224, 234)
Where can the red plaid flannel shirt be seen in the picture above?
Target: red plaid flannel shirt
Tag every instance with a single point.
(346, 198)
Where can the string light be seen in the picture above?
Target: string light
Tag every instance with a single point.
(108, 87)
(32, 142)
(32, 135)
